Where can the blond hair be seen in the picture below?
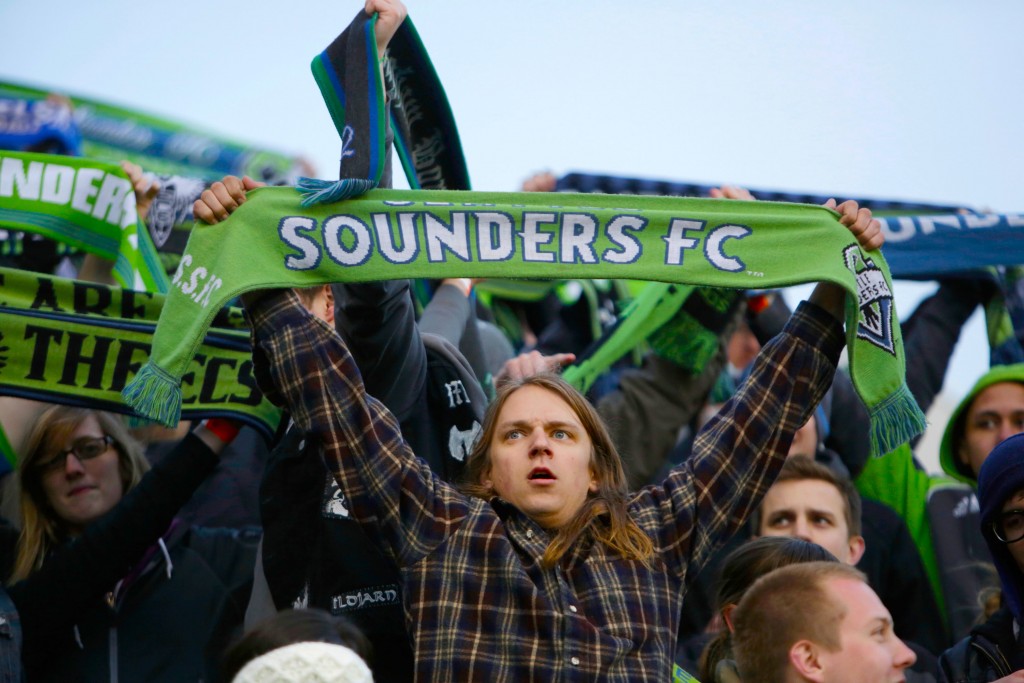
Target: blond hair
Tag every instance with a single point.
(621, 533)
(42, 530)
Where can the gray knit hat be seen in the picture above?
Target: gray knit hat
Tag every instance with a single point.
(311, 662)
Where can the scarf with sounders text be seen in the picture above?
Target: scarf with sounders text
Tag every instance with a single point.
(272, 241)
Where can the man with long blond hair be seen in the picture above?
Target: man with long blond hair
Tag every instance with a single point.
(545, 564)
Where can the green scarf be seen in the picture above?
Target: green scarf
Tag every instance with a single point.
(682, 323)
(493, 294)
(271, 241)
(680, 675)
(79, 343)
(112, 133)
(83, 203)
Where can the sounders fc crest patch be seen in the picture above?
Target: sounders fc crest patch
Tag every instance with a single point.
(874, 300)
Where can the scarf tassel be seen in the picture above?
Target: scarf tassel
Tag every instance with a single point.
(895, 421)
(315, 191)
(155, 394)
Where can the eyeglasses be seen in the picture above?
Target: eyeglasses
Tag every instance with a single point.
(1009, 526)
(86, 448)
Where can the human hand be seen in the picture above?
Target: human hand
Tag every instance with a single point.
(530, 364)
(217, 432)
(145, 190)
(465, 284)
(731, 192)
(544, 181)
(866, 229)
(390, 15)
(218, 201)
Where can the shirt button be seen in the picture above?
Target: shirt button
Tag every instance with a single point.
(575, 661)
(572, 608)
(529, 533)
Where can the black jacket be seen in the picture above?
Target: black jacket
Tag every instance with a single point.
(988, 654)
(71, 630)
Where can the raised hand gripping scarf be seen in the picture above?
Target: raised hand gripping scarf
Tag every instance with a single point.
(348, 74)
(78, 343)
(86, 204)
(271, 241)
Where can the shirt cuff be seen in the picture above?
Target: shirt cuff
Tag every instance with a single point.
(812, 324)
(277, 310)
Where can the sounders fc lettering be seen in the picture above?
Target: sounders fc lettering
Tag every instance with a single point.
(490, 236)
(99, 194)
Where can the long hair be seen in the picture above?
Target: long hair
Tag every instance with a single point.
(42, 529)
(621, 533)
(741, 568)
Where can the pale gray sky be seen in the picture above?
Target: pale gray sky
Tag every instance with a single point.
(918, 99)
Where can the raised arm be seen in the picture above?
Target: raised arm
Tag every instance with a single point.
(738, 454)
(75, 575)
(302, 364)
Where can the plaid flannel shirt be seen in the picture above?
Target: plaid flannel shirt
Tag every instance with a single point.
(480, 605)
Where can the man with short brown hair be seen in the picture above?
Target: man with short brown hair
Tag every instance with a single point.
(819, 622)
(812, 502)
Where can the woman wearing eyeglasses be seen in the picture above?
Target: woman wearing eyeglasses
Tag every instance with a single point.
(130, 595)
(994, 651)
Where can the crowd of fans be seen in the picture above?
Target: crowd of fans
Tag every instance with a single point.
(725, 521)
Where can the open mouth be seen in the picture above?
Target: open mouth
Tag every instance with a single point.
(540, 474)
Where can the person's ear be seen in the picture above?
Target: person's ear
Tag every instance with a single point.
(595, 485)
(727, 616)
(805, 658)
(329, 303)
(857, 547)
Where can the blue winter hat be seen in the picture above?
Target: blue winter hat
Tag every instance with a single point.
(1001, 476)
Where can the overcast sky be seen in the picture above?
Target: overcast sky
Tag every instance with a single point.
(909, 100)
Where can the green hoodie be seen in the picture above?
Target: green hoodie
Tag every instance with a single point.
(897, 481)
(951, 464)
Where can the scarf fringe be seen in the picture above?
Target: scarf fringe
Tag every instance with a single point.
(316, 191)
(154, 394)
(685, 342)
(895, 421)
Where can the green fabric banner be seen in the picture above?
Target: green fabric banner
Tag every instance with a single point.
(112, 133)
(83, 203)
(271, 241)
(685, 341)
(79, 343)
(49, 294)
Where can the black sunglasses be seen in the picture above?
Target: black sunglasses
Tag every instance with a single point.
(86, 448)
(1009, 526)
